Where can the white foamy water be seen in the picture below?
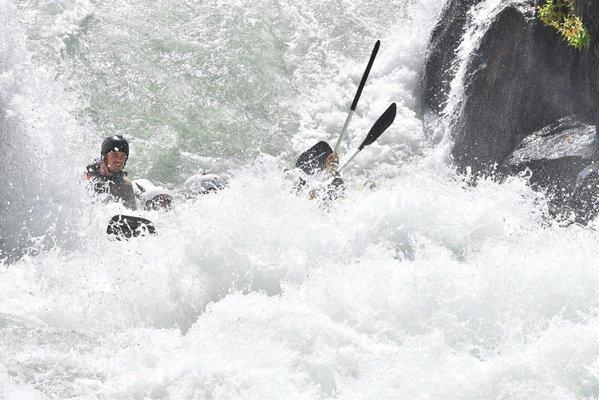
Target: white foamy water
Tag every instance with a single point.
(422, 287)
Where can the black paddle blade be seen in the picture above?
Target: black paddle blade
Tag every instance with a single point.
(380, 126)
(354, 104)
(127, 226)
(312, 160)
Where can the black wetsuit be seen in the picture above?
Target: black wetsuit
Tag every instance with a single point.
(114, 185)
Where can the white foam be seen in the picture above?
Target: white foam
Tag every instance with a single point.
(423, 287)
(42, 146)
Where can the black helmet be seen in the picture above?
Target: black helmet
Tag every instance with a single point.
(115, 143)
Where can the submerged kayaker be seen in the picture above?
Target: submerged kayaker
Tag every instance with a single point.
(106, 175)
(320, 164)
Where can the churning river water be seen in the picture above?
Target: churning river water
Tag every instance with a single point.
(421, 287)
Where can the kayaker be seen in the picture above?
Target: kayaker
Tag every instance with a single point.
(107, 176)
(320, 164)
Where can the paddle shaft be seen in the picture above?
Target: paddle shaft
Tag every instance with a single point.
(350, 159)
(357, 97)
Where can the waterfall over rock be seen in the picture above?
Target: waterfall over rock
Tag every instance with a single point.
(518, 78)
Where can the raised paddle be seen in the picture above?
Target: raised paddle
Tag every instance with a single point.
(354, 104)
(380, 126)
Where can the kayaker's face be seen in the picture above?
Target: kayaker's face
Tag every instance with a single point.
(116, 160)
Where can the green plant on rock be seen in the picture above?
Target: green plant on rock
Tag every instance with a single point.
(560, 15)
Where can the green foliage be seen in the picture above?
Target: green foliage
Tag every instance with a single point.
(560, 15)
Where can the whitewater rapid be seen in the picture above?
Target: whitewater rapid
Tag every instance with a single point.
(420, 287)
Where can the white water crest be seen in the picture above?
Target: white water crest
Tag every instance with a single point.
(418, 287)
(40, 142)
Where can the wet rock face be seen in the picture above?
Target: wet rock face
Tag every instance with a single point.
(445, 39)
(567, 137)
(556, 153)
(554, 157)
(521, 78)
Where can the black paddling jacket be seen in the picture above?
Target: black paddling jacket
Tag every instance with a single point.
(114, 185)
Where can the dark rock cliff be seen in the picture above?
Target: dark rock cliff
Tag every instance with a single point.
(521, 78)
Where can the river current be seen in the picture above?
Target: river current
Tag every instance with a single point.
(417, 287)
